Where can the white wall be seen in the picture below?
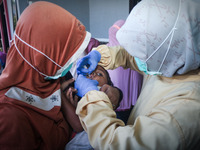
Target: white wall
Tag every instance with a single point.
(79, 8)
(96, 15)
(103, 13)
(10, 17)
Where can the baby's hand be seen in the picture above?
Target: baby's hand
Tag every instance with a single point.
(113, 94)
(69, 92)
(71, 96)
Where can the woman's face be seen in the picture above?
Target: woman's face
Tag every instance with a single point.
(100, 75)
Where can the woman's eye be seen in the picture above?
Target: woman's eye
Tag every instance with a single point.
(99, 74)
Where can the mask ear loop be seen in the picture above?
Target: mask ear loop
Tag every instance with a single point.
(170, 33)
(27, 60)
(15, 35)
(37, 50)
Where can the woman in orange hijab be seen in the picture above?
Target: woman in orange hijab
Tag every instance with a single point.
(47, 40)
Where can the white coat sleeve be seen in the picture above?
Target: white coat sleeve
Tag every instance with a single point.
(113, 57)
(106, 132)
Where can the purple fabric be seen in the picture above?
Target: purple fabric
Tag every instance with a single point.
(129, 81)
(3, 57)
(93, 43)
(2, 60)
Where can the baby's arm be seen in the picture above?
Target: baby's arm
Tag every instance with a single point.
(68, 108)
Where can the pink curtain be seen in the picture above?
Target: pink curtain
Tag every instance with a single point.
(129, 81)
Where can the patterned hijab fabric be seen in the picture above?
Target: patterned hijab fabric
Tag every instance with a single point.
(54, 32)
(164, 34)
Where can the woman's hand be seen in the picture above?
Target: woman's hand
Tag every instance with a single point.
(84, 85)
(90, 61)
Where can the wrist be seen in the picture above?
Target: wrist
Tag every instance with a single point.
(83, 92)
(91, 89)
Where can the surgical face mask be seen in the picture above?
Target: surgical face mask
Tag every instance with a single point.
(142, 65)
(60, 73)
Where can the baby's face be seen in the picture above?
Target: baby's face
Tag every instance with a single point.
(100, 75)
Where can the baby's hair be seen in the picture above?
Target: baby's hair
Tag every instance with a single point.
(108, 78)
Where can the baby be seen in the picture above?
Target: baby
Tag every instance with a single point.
(99, 74)
(70, 100)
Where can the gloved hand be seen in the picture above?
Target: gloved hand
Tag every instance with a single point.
(84, 85)
(90, 61)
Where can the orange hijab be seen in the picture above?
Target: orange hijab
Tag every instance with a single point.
(50, 29)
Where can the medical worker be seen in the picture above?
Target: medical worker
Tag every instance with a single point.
(161, 39)
(47, 40)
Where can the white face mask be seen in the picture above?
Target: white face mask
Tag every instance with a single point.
(60, 73)
(168, 42)
(142, 65)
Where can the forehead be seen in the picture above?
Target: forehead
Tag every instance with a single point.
(100, 68)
